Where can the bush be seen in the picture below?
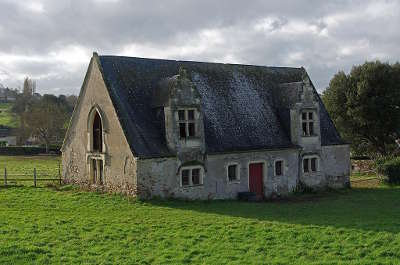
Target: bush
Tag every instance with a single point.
(390, 168)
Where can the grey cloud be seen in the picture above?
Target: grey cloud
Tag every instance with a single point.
(322, 36)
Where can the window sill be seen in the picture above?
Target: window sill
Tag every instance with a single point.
(311, 173)
(95, 153)
(189, 138)
(192, 186)
(309, 136)
(234, 181)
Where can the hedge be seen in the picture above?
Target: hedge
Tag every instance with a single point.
(391, 169)
(27, 150)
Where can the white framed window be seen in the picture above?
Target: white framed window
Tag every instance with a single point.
(307, 123)
(310, 164)
(279, 167)
(233, 172)
(187, 123)
(96, 131)
(191, 176)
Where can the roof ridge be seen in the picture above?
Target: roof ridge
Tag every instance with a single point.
(200, 62)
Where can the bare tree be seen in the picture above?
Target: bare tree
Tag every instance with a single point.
(46, 120)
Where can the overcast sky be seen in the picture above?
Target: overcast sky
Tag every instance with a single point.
(52, 41)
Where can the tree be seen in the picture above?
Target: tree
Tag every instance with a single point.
(46, 119)
(29, 87)
(365, 106)
(71, 100)
(23, 101)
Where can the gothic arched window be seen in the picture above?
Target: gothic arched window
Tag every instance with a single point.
(97, 133)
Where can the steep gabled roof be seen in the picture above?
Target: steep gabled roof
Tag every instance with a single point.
(237, 103)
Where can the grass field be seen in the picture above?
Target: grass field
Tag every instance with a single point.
(66, 226)
(22, 166)
(7, 118)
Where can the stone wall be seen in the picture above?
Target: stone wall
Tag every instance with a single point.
(336, 163)
(120, 164)
(160, 177)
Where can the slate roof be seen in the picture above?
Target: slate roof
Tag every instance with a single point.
(237, 101)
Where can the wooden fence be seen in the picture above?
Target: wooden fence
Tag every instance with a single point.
(33, 177)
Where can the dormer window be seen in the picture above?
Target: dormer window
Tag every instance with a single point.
(307, 122)
(187, 123)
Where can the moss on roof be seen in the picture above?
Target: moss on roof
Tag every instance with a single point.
(237, 101)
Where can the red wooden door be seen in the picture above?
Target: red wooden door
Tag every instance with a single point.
(256, 178)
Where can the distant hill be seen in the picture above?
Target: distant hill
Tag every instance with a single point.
(7, 118)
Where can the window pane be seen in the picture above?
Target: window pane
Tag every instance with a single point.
(181, 114)
(191, 129)
(191, 115)
(310, 115)
(313, 164)
(182, 130)
(97, 133)
(311, 128)
(305, 165)
(232, 172)
(305, 128)
(196, 176)
(185, 177)
(278, 168)
(304, 116)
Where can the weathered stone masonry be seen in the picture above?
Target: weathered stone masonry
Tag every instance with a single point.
(196, 131)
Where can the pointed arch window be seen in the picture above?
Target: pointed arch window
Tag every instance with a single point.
(97, 132)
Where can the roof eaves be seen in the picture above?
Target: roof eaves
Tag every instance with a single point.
(263, 149)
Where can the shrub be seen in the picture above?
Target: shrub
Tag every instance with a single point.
(390, 168)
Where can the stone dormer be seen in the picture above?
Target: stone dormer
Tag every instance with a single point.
(184, 128)
(301, 100)
(305, 118)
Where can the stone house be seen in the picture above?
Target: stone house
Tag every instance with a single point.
(164, 128)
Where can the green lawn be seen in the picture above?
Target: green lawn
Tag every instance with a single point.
(8, 118)
(46, 226)
(23, 166)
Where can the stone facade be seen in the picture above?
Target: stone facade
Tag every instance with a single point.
(119, 162)
(161, 176)
(335, 160)
(115, 166)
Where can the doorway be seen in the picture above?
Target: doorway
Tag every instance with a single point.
(256, 178)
